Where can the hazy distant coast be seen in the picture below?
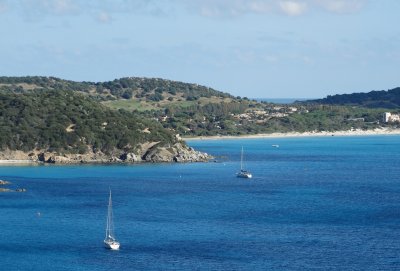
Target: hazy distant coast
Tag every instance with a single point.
(357, 132)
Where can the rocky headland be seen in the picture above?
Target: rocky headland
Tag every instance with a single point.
(150, 152)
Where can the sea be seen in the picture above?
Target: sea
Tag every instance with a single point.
(281, 100)
(314, 203)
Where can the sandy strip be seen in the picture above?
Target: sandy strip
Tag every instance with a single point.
(16, 162)
(306, 134)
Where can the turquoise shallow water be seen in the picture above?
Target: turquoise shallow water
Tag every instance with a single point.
(329, 203)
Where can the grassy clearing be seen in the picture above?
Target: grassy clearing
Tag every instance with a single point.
(130, 105)
(177, 102)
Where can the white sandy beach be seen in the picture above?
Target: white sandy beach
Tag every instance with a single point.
(382, 131)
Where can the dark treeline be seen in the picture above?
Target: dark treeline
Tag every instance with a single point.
(125, 88)
(374, 99)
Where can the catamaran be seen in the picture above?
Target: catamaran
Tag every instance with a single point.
(110, 242)
(243, 173)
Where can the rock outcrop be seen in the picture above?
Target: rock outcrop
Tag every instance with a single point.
(175, 153)
(2, 182)
(188, 154)
(153, 152)
(130, 157)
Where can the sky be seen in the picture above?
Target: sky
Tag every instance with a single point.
(252, 48)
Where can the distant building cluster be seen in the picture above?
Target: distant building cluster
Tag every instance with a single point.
(273, 112)
(389, 117)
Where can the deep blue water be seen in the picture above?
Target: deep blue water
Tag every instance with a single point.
(328, 203)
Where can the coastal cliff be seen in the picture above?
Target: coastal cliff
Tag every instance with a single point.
(150, 152)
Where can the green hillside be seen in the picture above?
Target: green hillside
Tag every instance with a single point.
(179, 108)
(70, 122)
(146, 89)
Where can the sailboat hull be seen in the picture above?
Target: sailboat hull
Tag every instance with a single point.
(244, 175)
(113, 245)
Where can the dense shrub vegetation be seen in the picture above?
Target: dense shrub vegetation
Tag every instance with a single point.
(67, 121)
(47, 112)
(125, 88)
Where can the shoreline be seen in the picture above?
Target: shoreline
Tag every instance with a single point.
(177, 153)
(255, 136)
(15, 161)
(298, 134)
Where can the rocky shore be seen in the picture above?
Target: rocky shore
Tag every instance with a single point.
(151, 152)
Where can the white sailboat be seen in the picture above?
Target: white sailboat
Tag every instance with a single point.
(110, 242)
(243, 173)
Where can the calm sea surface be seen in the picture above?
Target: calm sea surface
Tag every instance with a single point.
(329, 203)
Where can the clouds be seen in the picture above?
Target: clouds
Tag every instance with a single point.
(104, 10)
(54, 6)
(43, 7)
(36, 9)
(293, 8)
(217, 8)
(342, 6)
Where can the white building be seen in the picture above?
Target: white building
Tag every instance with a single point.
(389, 117)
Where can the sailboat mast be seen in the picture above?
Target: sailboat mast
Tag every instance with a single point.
(241, 160)
(110, 226)
(110, 241)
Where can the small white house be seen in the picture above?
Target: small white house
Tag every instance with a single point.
(389, 117)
